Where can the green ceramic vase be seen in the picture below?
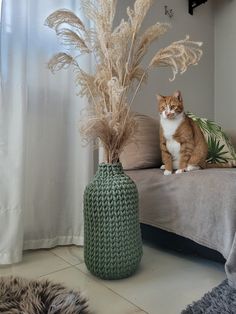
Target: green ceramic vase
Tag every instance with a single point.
(113, 244)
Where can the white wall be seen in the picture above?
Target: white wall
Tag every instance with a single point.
(197, 84)
(225, 65)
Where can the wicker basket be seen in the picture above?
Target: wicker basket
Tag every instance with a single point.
(113, 245)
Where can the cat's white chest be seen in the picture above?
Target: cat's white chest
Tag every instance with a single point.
(174, 148)
(169, 129)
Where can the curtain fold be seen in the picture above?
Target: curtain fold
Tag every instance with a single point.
(44, 167)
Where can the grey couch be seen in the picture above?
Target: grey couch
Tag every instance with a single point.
(199, 205)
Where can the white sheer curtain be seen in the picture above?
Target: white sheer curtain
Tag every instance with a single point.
(43, 164)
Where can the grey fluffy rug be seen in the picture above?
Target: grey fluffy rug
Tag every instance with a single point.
(39, 297)
(221, 300)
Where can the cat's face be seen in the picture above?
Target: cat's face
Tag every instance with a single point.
(170, 106)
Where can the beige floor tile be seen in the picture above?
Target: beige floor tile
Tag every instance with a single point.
(166, 281)
(35, 264)
(71, 254)
(101, 299)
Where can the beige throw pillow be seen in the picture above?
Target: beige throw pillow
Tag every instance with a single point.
(144, 151)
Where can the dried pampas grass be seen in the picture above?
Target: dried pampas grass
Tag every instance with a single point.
(114, 130)
(119, 52)
(70, 38)
(61, 61)
(59, 17)
(179, 56)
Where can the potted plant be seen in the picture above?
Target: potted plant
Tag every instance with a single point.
(113, 247)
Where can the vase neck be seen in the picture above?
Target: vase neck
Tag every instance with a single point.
(109, 169)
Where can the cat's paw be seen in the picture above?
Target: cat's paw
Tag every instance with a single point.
(180, 171)
(192, 168)
(163, 167)
(167, 172)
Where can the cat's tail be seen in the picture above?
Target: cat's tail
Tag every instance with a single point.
(230, 164)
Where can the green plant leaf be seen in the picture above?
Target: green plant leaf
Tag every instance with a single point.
(210, 128)
(215, 151)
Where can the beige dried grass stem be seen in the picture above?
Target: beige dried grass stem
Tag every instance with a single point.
(119, 53)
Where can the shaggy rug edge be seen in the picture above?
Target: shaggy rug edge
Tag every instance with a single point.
(38, 295)
(220, 300)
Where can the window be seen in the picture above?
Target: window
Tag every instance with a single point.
(0, 11)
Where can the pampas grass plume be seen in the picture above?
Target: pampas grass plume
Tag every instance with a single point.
(119, 52)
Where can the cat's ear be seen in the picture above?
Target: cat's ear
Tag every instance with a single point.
(159, 97)
(177, 94)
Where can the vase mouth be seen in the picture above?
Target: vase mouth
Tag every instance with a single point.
(111, 168)
(106, 164)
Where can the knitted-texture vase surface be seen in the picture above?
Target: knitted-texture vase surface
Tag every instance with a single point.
(112, 243)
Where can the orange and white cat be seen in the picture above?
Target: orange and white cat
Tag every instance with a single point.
(182, 142)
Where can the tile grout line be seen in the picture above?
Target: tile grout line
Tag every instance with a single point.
(64, 260)
(95, 279)
(56, 271)
(101, 283)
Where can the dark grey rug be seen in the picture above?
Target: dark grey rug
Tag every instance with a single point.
(19, 295)
(221, 300)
